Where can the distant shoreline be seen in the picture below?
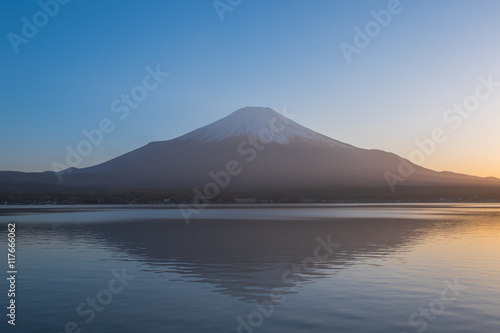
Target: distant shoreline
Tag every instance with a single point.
(55, 207)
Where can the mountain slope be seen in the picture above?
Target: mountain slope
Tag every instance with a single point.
(271, 151)
(258, 123)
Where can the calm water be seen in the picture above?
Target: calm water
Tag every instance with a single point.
(310, 268)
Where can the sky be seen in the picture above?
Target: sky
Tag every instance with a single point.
(416, 78)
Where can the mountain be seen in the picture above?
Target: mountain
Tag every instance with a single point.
(256, 122)
(263, 149)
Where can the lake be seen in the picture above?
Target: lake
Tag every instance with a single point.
(256, 268)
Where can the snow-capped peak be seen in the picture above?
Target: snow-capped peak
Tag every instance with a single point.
(258, 122)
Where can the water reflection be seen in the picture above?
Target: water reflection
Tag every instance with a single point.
(203, 276)
(244, 259)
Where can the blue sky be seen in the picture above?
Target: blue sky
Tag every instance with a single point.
(280, 54)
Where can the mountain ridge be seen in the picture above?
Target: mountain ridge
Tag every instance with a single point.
(244, 123)
(273, 151)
